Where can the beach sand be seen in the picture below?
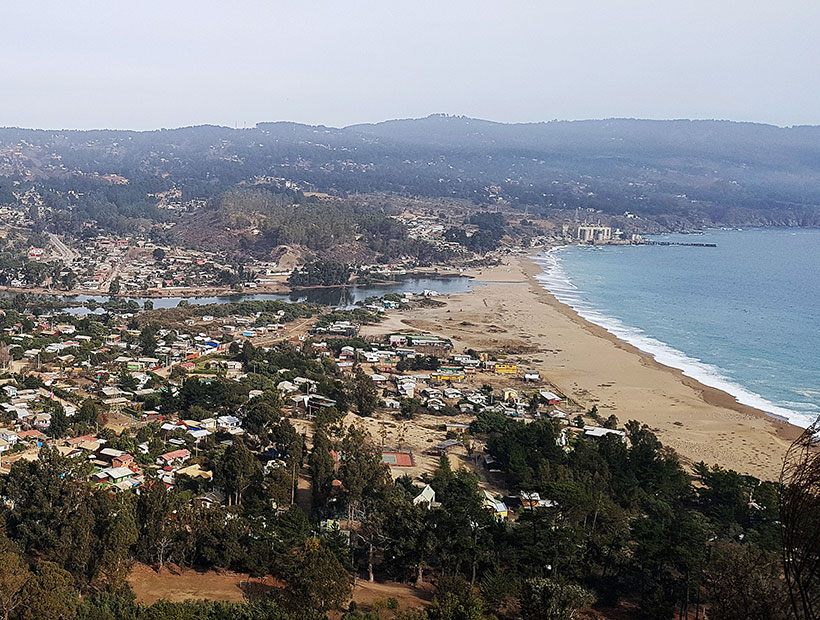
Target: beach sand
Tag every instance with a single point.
(514, 314)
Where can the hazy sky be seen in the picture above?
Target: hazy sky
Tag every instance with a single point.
(149, 63)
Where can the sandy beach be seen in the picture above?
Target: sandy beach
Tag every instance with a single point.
(513, 314)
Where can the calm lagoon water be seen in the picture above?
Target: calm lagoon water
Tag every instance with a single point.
(341, 297)
(743, 317)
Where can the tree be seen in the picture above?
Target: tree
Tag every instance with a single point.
(158, 254)
(321, 467)
(114, 287)
(148, 338)
(39, 497)
(316, 579)
(127, 381)
(365, 394)
(117, 532)
(88, 411)
(360, 467)
(551, 599)
(800, 514)
(259, 416)
(153, 510)
(455, 600)
(49, 594)
(59, 421)
(744, 583)
(13, 575)
(321, 273)
(235, 470)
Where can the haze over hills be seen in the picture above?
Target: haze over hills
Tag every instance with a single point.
(677, 173)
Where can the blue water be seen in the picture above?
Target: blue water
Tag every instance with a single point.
(743, 317)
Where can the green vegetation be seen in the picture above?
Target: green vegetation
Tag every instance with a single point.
(321, 273)
(734, 174)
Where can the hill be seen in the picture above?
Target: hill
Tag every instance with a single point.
(680, 173)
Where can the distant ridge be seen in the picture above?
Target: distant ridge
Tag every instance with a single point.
(681, 173)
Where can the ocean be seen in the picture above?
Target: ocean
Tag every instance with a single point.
(743, 317)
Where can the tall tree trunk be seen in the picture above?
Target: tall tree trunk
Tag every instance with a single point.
(472, 578)
(370, 555)
(419, 575)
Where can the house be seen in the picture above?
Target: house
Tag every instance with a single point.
(286, 387)
(233, 369)
(532, 375)
(314, 403)
(228, 424)
(436, 404)
(550, 397)
(427, 496)
(598, 431)
(497, 507)
(109, 454)
(195, 471)
(175, 457)
(431, 392)
(199, 433)
(391, 403)
(443, 447)
(9, 436)
(491, 463)
(532, 500)
(90, 445)
(452, 393)
(124, 460)
(32, 435)
(41, 421)
(113, 474)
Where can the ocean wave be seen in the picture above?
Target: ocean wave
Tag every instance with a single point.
(556, 281)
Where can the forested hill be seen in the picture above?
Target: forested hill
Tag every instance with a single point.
(700, 172)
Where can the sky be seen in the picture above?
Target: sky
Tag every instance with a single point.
(146, 64)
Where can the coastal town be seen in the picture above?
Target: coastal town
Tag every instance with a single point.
(259, 395)
(112, 383)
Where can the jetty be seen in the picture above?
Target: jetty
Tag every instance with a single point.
(694, 245)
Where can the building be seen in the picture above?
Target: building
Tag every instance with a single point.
(497, 507)
(599, 431)
(427, 496)
(590, 233)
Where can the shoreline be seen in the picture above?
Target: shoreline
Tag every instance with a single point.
(711, 395)
(519, 319)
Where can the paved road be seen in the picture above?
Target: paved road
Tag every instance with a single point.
(67, 255)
